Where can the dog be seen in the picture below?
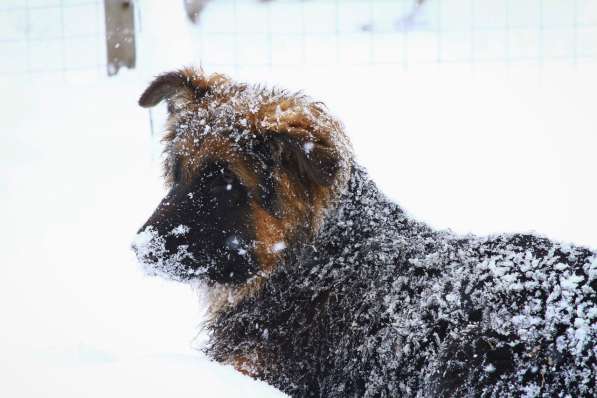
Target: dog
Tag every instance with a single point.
(322, 287)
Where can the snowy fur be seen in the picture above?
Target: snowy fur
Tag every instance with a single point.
(352, 296)
(380, 305)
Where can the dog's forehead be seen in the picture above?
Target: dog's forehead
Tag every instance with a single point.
(222, 126)
(250, 125)
(227, 109)
(245, 112)
(200, 148)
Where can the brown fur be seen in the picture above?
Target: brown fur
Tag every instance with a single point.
(206, 114)
(249, 365)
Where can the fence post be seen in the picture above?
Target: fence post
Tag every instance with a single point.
(120, 34)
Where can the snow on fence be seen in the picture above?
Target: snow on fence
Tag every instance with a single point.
(59, 37)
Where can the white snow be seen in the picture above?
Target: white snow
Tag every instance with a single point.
(278, 247)
(84, 373)
(149, 244)
(512, 149)
(180, 230)
(308, 147)
(489, 368)
(571, 282)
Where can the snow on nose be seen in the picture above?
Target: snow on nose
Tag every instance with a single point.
(181, 230)
(149, 246)
(155, 258)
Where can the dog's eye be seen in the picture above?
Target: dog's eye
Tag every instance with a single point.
(221, 181)
(228, 177)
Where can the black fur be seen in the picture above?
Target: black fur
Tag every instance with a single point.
(367, 302)
(380, 305)
(212, 213)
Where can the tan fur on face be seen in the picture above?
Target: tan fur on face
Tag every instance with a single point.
(214, 118)
(269, 231)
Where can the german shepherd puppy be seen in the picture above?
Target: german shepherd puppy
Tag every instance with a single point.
(323, 287)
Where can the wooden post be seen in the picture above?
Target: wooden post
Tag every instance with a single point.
(120, 34)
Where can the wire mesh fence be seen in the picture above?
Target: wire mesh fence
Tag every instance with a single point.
(51, 37)
(58, 37)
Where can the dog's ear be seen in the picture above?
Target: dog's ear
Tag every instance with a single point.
(315, 162)
(186, 83)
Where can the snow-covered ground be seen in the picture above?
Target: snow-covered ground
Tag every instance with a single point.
(482, 150)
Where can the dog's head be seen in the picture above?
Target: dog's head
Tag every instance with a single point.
(250, 174)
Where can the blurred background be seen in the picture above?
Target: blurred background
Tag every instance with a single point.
(67, 38)
(475, 115)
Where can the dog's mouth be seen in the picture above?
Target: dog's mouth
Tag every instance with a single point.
(159, 257)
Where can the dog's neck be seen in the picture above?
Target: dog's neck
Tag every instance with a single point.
(360, 207)
(365, 239)
(351, 223)
(349, 216)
